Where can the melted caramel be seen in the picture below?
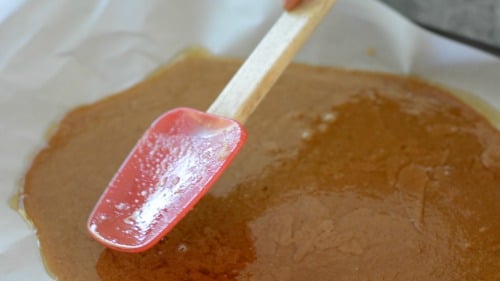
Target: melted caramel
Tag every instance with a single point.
(345, 176)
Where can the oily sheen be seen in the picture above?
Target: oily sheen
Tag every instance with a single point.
(346, 175)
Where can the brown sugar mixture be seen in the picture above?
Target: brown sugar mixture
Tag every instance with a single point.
(345, 176)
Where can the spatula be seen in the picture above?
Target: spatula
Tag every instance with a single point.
(184, 151)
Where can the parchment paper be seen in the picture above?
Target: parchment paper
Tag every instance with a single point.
(57, 54)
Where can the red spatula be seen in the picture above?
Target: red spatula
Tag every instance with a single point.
(184, 151)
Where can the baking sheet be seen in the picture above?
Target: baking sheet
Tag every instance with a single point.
(57, 54)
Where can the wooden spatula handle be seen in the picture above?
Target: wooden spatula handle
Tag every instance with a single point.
(263, 67)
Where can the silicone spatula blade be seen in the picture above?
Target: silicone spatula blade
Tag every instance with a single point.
(167, 172)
